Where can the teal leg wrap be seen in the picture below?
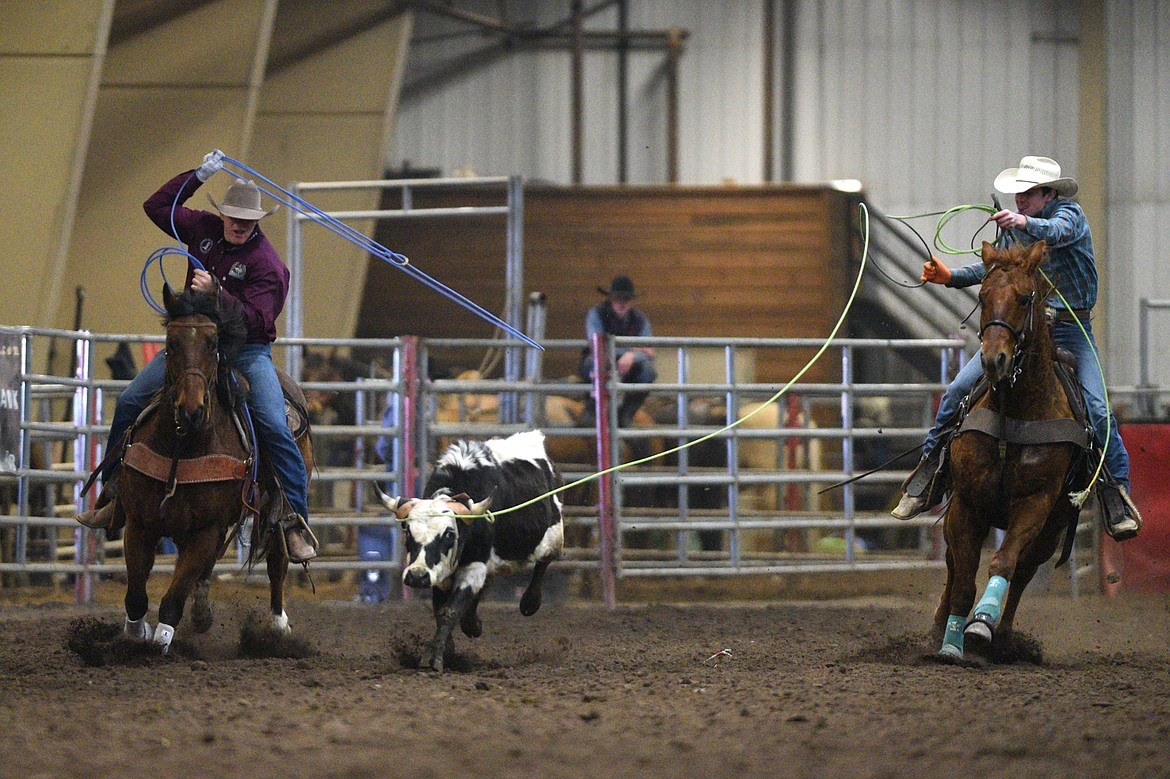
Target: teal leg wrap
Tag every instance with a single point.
(952, 645)
(992, 601)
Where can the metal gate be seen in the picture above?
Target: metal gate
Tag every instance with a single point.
(750, 499)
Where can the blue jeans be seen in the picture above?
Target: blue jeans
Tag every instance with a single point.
(265, 402)
(641, 372)
(1068, 336)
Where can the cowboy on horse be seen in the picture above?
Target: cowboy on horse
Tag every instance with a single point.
(1045, 212)
(243, 268)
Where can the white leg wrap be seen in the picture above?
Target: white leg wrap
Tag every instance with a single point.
(138, 628)
(281, 624)
(163, 635)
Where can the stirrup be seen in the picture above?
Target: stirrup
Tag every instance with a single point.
(294, 528)
(921, 481)
(1120, 516)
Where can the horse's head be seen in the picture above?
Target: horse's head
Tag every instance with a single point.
(1009, 296)
(198, 332)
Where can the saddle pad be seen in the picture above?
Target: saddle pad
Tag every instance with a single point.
(197, 470)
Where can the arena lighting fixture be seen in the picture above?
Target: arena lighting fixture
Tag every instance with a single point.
(846, 185)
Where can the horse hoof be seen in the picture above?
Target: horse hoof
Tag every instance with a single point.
(280, 624)
(201, 622)
(431, 660)
(138, 628)
(163, 635)
(950, 651)
(979, 633)
(472, 628)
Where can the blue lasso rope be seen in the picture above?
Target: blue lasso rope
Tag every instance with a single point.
(362, 241)
(158, 254)
(400, 261)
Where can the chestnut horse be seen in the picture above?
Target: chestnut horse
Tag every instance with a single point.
(1010, 458)
(187, 474)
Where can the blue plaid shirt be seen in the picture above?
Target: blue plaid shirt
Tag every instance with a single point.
(1070, 263)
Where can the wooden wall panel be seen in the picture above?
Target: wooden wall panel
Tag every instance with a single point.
(707, 261)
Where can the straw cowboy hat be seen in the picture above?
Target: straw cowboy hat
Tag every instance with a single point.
(241, 201)
(1035, 172)
(622, 288)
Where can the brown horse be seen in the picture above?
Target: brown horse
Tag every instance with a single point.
(187, 475)
(1001, 474)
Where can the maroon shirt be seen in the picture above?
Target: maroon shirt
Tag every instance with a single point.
(253, 273)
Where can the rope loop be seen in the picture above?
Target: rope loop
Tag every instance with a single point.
(357, 238)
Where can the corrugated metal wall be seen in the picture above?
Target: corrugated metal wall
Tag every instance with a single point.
(923, 101)
(1138, 119)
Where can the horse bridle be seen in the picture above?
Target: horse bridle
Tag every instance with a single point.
(1019, 336)
(207, 382)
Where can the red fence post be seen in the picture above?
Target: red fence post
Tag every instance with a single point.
(607, 535)
(410, 414)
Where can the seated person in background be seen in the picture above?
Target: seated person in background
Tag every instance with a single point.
(616, 315)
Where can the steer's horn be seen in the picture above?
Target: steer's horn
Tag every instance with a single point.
(400, 509)
(391, 503)
(482, 506)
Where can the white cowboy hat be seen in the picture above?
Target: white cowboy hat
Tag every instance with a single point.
(1035, 172)
(241, 201)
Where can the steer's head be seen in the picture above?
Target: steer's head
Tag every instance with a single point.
(434, 529)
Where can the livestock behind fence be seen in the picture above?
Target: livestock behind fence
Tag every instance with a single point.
(716, 476)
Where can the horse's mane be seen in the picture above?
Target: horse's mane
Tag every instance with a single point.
(1016, 255)
(227, 314)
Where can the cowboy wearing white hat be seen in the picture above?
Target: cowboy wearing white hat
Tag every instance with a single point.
(1044, 212)
(1035, 172)
(240, 263)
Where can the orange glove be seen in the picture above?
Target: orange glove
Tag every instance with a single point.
(935, 272)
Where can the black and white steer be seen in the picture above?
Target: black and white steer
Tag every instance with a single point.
(454, 549)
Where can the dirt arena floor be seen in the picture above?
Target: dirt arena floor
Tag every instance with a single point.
(822, 688)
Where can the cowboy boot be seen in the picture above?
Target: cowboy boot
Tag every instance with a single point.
(922, 489)
(106, 514)
(299, 542)
(1120, 516)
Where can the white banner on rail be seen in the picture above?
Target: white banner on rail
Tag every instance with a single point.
(9, 402)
